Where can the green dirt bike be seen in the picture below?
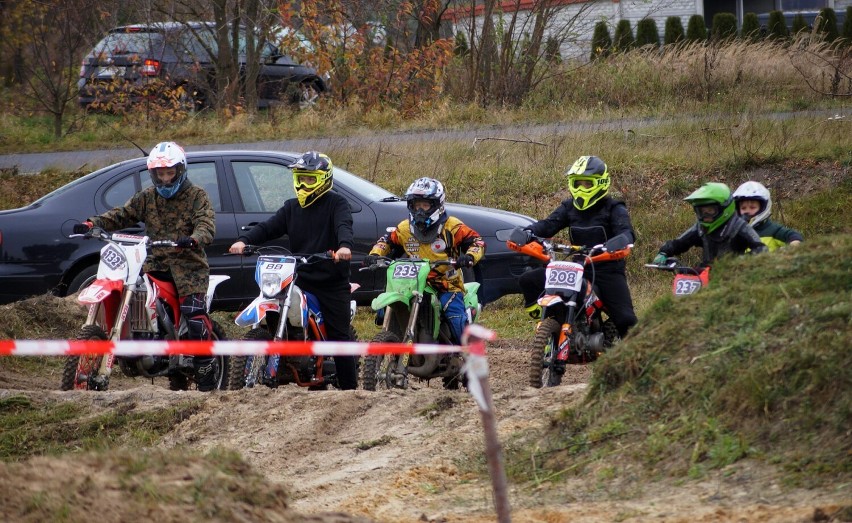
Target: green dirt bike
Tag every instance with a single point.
(412, 314)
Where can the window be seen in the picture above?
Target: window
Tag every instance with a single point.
(264, 187)
(802, 5)
(118, 194)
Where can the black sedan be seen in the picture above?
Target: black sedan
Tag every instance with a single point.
(246, 187)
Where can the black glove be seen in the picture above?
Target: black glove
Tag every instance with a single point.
(82, 228)
(186, 242)
(464, 260)
(521, 236)
(370, 259)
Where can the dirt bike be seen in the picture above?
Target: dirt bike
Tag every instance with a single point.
(573, 328)
(687, 280)
(412, 314)
(126, 304)
(280, 297)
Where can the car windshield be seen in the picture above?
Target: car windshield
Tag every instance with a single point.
(129, 43)
(367, 190)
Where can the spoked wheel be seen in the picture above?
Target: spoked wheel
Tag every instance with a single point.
(81, 372)
(610, 332)
(543, 354)
(384, 372)
(182, 380)
(247, 371)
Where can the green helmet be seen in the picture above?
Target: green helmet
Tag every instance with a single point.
(713, 204)
(588, 181)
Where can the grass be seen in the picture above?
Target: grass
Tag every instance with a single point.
(752, 367)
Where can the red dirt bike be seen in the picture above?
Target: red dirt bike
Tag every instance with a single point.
(687, 280)
(126, 304)
(574, 328)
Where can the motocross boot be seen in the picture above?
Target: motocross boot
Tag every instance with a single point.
(206, 370)
(534, 311)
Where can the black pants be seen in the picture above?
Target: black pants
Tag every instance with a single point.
(614, 293)
(334, 305)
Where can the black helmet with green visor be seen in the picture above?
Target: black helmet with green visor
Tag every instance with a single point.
(312, 177)
(588, 181)
(713, 204)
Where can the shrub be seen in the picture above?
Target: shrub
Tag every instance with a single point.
(826, 23)
(724, 26)
(799, 24)
(552, 55)
(751, 28)
(646, 33)
(460, 48)
(623, 40)
(696, 29)
(674, 30)
(601, 42)
(776, 26)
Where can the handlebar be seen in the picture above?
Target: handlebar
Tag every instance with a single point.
(122, 238)
(251, 250)
(673, 265)
(383, 262)
(544, 250)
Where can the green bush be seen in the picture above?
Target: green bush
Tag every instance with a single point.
(826, 24)
(674, 30)
(799, 24)
(724, 26)
(696, 29)
(776, 27)
(647, 34)
(623, 40)
(551, 51)
(461, 48)
(751, 28)
(601, 42)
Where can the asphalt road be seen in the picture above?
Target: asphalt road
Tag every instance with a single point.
(94, 159)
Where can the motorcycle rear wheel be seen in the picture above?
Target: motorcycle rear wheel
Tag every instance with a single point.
(181, 381)
(239, 376)
(542, 354)
(85, 365)
(376, 368)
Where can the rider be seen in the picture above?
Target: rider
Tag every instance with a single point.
(430, 233)
(317, 220)
(174, 208)
(592, 218)
(754, 204)
(718, 230)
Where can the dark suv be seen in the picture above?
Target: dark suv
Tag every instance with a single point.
(134, 61)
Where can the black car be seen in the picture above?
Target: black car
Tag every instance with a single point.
(134, 60)
(246, 187)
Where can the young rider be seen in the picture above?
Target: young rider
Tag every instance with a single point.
(754, 204)
(718, 230)
(592, 218)
(429, 233)
(174, 208)
(317, 220)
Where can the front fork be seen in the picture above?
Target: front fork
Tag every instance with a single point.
(95, 310)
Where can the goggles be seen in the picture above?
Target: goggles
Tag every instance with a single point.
(310, 180)
(580, 183)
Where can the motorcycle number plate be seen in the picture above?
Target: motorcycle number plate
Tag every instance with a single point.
(405, 271)
(686, 284)
(113, 257)
(562, 275)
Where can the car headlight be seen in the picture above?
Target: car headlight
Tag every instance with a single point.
(270, 285)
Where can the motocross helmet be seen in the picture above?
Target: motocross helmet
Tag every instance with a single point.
(713, 204)
(167, 155)
(312, 177)
(757, 192)
(588, 181)
(425, 222)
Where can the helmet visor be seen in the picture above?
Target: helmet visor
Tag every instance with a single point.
(308, 180)
(582, 183)
(166, 177)
(708, 212)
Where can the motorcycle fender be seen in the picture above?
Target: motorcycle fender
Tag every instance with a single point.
(549, 299)
(99, 290)
(256, 311)
(213, 282)
(386, 298)
(471, 301)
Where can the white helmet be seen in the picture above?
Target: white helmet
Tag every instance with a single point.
(424, 223)
(167, 154)
(757, 192)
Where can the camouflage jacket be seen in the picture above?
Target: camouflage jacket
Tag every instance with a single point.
(188, 213)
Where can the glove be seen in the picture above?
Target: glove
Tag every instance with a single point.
(82, 228)
(186, 242)
(520, 236)
(464, 260)
(370, 259)
(660, 259)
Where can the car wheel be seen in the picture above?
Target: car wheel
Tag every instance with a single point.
(83, 279)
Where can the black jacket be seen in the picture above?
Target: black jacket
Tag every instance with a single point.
(604, 220)
(736, 236)
(325, 225)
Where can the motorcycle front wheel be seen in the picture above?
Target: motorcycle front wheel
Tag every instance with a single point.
(380, 372)
(79, 371)
(247, 371)
(543, 354)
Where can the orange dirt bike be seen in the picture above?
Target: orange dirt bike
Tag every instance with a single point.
(126, 304)
(687, 280)
(574, 327)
